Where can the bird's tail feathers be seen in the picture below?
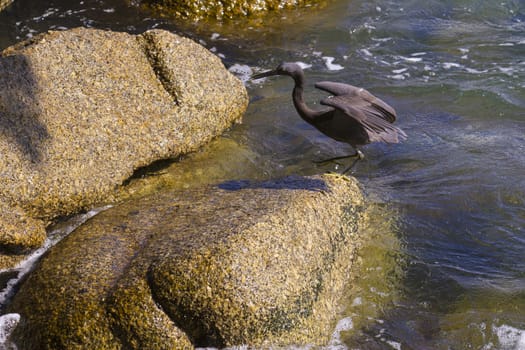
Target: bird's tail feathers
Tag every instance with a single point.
(389, 134)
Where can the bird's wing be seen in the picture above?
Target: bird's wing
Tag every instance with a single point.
(340, 89)
(375, 121)
(336, 88)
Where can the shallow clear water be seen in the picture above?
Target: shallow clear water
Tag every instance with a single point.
(455, 72)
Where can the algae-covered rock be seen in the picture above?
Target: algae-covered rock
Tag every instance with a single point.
(81, 109)
(221, 8)
(17, 230)
(4, 4)
(257, 263)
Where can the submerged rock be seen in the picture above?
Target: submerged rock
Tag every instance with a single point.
(81, 109)
(257, 263)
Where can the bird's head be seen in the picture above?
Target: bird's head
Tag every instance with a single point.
(285, 68)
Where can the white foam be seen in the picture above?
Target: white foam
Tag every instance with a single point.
(304, 65)
(215, 36)
(357, 301)
(8, 323)
(506, 70)
(394, 344)
(510, 337)
(331, 66)
(336, 343)
(399, 71)
(475, 71)
(397, 76)
(448, 65)
(54, 237)
(369, 26)
(382, 294)
(410, 59)
(49, 12)
(417, 54)
(242, 71)
(382, 39)
(366, 52)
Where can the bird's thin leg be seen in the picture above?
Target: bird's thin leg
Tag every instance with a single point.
(359, 156)
(336, 158)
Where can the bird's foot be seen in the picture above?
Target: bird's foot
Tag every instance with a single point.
(353, 163)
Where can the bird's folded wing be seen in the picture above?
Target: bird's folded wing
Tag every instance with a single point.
(350, 91)
(336, 88)
(376, 121)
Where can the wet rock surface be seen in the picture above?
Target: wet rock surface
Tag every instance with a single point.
(4, 4)
(221, 9)
(258, 263)
(81, 109)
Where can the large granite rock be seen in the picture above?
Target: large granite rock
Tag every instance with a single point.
(257, 263)
(81, 109)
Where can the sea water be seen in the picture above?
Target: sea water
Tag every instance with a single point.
(448, 271)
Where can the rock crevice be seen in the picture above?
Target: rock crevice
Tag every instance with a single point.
(82, 109)
(203, 267)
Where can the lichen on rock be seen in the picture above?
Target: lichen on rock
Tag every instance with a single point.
(221, 9)
(82, 109)
(257, 263)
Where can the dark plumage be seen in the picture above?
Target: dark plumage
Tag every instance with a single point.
(356, 116)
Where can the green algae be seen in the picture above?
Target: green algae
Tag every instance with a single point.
(379, 272)
(221, 160)
(221, 9)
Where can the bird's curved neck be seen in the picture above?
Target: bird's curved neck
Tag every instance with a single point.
(304, 111)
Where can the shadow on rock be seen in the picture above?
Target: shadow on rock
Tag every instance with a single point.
(19, 109)
(289, 183)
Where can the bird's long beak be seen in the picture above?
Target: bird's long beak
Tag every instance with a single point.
(264, 74)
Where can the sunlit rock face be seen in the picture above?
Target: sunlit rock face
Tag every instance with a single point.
(222, 9)
(81, 109)
(4, 4)
(256, 263)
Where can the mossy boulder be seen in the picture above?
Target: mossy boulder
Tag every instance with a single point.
(221, 9)
(82, 109)
(257, 263)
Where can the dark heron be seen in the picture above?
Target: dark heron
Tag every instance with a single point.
(356, 116)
